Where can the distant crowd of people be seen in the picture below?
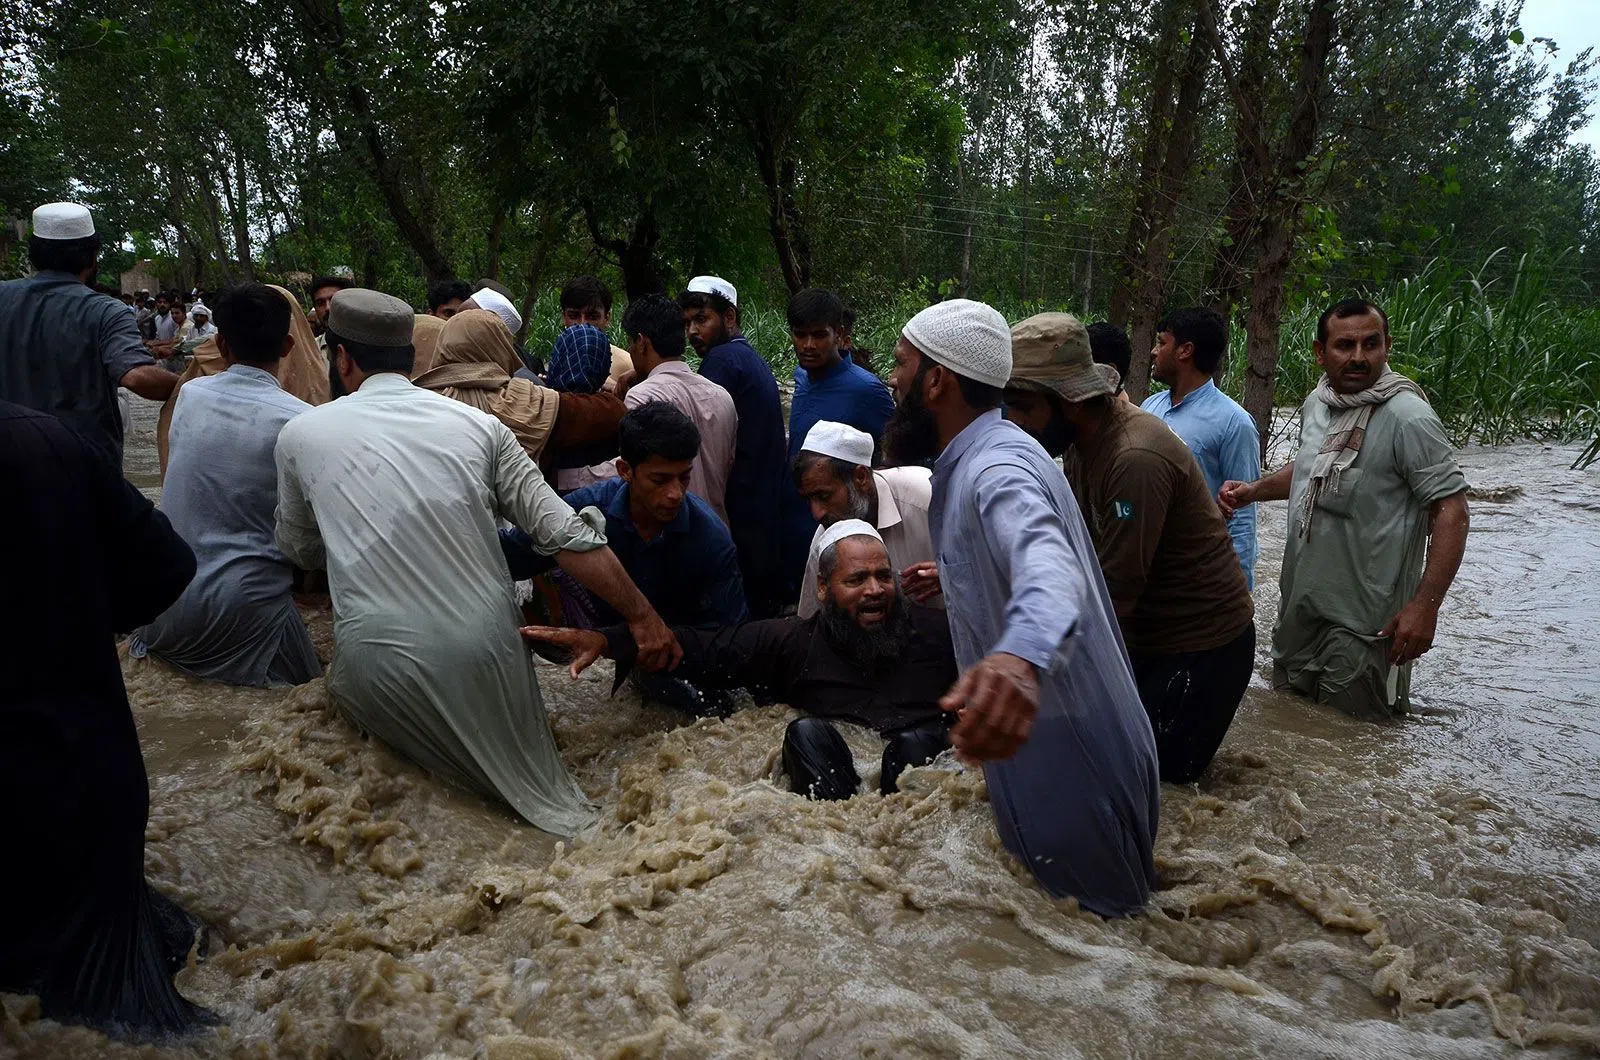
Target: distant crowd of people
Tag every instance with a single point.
(994, 551)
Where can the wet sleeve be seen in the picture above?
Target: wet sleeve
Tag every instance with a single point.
(298, 536)
(725, 601)
(584, 419)
(1134, 509)
(148, 563)
(121, 348)
(1425, 457)
(1028, 541)
(1241, 460)
(765, 655)
(524, 497)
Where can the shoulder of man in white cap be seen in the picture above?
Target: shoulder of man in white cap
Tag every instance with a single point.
(714, 285)
(970, 338)
(63, 220)
(370, 317)
(840, 441)
(1050, 351)
(846, 528)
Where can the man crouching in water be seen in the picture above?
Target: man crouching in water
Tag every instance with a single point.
(869, 657)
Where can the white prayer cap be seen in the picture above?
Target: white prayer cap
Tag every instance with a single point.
(63, 220)
(714, 285)
(846, 528)
(198, 308)
(840, 441)
(498, 304)
(967, 337)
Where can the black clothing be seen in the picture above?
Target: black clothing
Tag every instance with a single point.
(819, 764)
(84, 930)
(1191, 698)
(792, 659)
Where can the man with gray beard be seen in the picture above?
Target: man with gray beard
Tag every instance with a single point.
(868, 657)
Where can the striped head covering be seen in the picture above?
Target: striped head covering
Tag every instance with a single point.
(580, 361)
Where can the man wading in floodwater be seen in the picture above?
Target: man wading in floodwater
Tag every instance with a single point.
(1375, 477)
(1045, 699)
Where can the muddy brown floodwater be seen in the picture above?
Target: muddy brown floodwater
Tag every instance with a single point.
(1328, 889)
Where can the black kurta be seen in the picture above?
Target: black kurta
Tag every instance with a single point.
(792, 659)
(89, 557)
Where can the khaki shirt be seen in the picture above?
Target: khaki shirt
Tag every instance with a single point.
(1162, 543)
(904, 494)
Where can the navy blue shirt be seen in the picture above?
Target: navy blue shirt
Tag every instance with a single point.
(63, 350)
(846, 393)
(760, 469)
(689, 571)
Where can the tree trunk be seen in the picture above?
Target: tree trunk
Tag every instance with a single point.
(635, 256)
(778, 176)
(1150, 292)
(238, 215)
(1158, 118)
(497, 239)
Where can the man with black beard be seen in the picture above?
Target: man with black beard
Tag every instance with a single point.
(868, 657)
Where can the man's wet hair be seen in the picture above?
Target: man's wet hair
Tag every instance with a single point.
(254, 319)
(803, 462)
(1109, 344)
(581, 292)
(1203, 327)
(64, 255)
(659, 319)
(660, 429)
(343, 283)
(447, 291)
(1349, 307)
(707, 300)
(815, 306)
(371, 359)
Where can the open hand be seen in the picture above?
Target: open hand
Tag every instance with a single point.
(586, 645)
(995, 703)
(921, 581)
(1235, 495)
(1412, 630)
(658, 648)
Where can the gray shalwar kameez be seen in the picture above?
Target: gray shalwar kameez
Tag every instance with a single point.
(1078, 804)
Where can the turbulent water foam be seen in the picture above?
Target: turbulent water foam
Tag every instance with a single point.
(1328, 888)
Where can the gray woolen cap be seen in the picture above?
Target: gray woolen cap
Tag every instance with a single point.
(371, 318)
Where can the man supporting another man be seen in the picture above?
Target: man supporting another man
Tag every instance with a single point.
(867, 658)
(654, 325)
(236, 622)
(755, 482)
(834, 475)
(1374, 487)
(1180, 597)
(1045, 698)
(397, 491)
(1190, 346)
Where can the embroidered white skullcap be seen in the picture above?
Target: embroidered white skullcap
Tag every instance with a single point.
(846, 528)
(714, 285)
(969, 338)
(198, 308)
(840, 441)
(498, 304)
(63, 220)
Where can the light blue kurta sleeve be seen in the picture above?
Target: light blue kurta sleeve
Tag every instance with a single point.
(1241, 461)
(1044, 576)
(297, 534)
(523, 496)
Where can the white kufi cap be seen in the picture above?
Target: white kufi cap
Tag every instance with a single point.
(63, 220)
(967, 337)
(714, 285)
(498, 304)
(198, 308)
(840, 441)
(846, 528)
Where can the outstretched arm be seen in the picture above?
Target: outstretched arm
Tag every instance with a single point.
(764, 654)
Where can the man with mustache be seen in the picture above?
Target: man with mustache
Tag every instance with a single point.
(1374, 480)
(1180, 595)
(1045, 698)
(867, 657)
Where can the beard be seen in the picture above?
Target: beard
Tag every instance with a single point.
(912, 435)
(1057, 435)
(876, 650)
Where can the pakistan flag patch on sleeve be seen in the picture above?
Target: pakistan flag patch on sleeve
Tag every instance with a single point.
(1122, 510)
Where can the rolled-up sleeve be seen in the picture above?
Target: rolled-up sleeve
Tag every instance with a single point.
(1029, 544)
(121, 347)
(524, 497)
(1426, 458)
